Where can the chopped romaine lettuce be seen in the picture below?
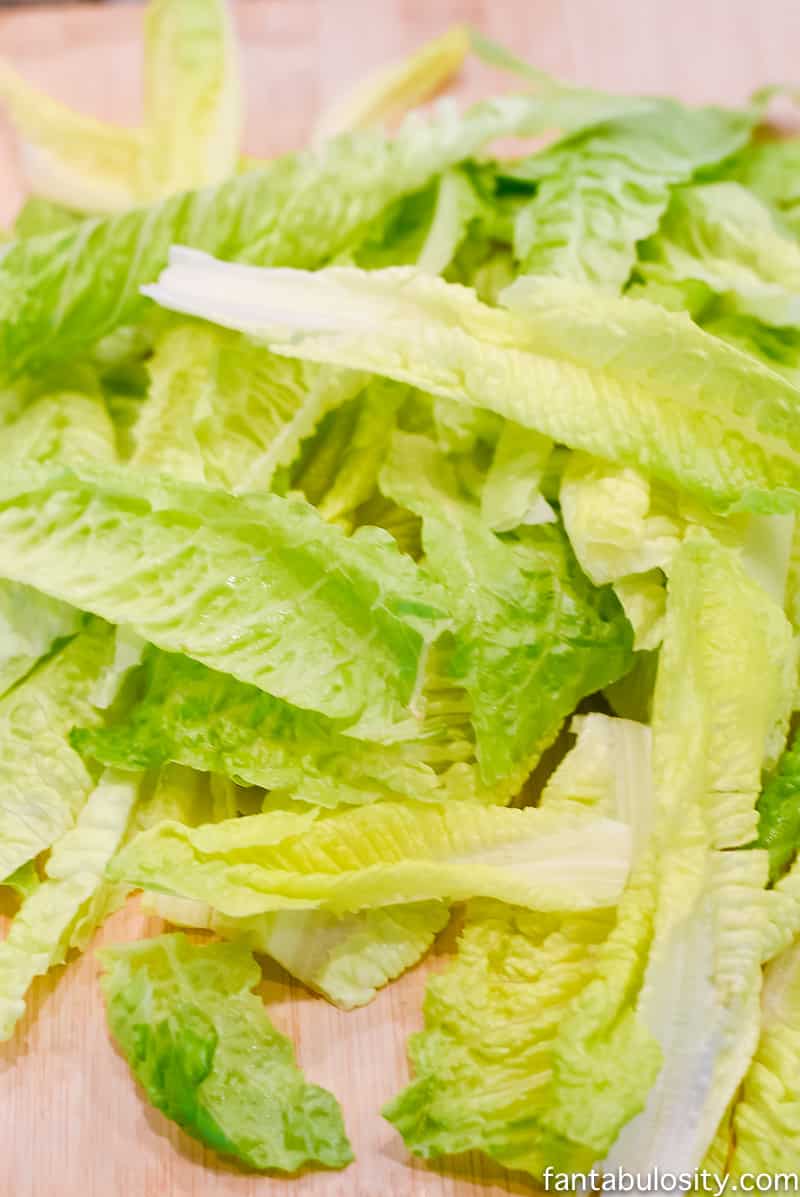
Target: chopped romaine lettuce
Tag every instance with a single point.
(620, 378)
(389, 852)
(203, 1048)
(234, 577)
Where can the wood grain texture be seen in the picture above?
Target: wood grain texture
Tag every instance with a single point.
(72, 1124)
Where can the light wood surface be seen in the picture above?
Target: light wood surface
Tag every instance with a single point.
(72, 1123)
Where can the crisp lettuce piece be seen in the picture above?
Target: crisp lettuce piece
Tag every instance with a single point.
(192, 128)
(226, 411)
(532, 637)
(779, 812)
(619, 378)
(390, 852)
(618, 523)
(770, 169)
(67, 422)
(30, 624)
(359, 465)
(764, 1126)
(701, 989)
(512, 494)
(654, 1020)
(68, 158)
(192, 96)
(209, 721)
(608, 769)
(43, 781)
(347, 958)
(38, 216)
(64, 292)
(258, 586)
(482, 1064)
(25, 880)
(604, 189)
(46, 925)
(722, 235)
(204, 1050)
(390, 91)
(457, 205)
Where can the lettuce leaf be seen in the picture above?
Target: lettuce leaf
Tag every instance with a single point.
(205, 1052)
(30, 624)
(770, 169)
(387, 853)
(43, 781)
(700, 993)
(779, 812)
(62, 293)
(258, 586)
(209, 721)
(347, 958)
(390, 91)
(531, 636)
(511, 495)
(226, 411)
(721, 235)
(192, 128)
(765, 1121)
(192, 96)
(68, 158)
(55, 913)
(659, 1012)
(635, 384)
(483, 1063)
(606, 188)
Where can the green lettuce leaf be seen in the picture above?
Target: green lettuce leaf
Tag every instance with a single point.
(608, 770)
(55, 913)
(483, 1062)
(347, 958)
(226, 411)
(258, 586)
(770, 169)
(206, 1054)
(532, 637)
(635, 384)
(356, 479)
(71, 159)
(765, 1122)
(511, 494)
(779, 812)
(30, 624)
(192, 96)
(390, 91)
(723, 236)
(25, 880)
(390, 852)
(606, 188)
(61, 293)
(67, 422)
(658, 1016)
(700, 993)
(38, 216)
(43, 781)
(192, 129)
(209, 721)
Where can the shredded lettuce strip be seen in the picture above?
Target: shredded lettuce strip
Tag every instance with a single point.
(436, 456)
(621, 379)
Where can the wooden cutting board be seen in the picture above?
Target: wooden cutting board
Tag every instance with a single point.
(72, 1123)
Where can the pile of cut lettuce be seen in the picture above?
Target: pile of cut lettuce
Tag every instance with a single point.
(391, 532)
